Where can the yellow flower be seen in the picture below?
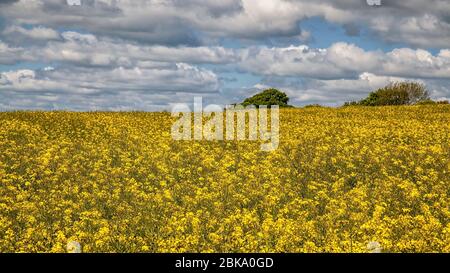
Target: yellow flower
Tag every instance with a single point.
(352, 179)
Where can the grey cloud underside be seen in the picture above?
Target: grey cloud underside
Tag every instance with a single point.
(341, 60)
(108, 89)
(5, 2)
(117, 101)
(96, 70)
(176, 22)
(181, 78)
(149, 73)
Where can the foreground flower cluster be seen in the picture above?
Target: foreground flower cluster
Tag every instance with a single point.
(117, 182)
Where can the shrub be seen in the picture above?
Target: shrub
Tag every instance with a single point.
(313, 106)
(351, 103)
(398, 93)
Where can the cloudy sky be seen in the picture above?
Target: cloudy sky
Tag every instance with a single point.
(148, 55)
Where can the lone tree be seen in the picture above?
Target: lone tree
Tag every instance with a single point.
(268, 97)
(397, 93)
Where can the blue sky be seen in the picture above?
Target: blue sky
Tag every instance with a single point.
(149, 55)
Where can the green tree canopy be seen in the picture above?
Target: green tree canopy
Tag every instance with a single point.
(268, 97)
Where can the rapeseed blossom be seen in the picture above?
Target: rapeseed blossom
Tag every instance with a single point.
(341, 180)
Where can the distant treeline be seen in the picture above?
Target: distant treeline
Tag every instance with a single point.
(396, 93)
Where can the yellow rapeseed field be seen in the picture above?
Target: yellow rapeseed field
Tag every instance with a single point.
(117, 182)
